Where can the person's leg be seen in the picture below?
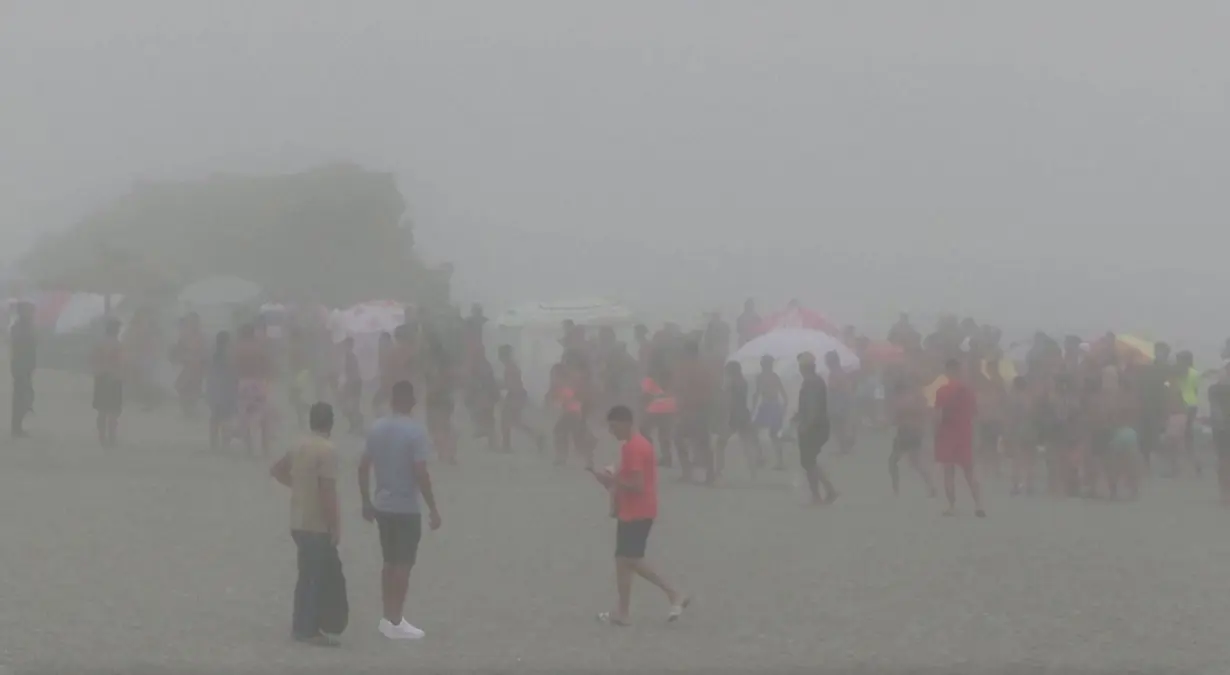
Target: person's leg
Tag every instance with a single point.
(100, 424)
(950, 486)
(561, 437)
(399, 540)
(893, 458)
(704, 447)
(749, 440)
(808, 456)
(113, 424)
(306, 622)
(624, 569)
(971, 480)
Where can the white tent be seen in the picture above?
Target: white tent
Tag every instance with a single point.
(585, 312)
(534, 331)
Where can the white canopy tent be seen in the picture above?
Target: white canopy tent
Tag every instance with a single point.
(534, 330)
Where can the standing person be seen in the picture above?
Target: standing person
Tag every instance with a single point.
(23, 356)
(991, 392)
(1153, 385)
(1219, 414)
(189, 353)
(572, 391)
(634, 490)
(512, 405)
(658, 407)
(694, 395)
(255, 370)
(221, 392)
(352, 387)
(385, 375)
(397, 452)
(956, 405)
(1021, 436)
(909, 407)
(1125, 444)
(738, 421)
(841, 395)
(747, 323)
(108, 361)
(769, 407)
(1188, 379)
(482, 397)
(813, 429)
(310, 471)
(440, 379)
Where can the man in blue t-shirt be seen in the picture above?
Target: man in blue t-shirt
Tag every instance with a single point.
(397, 451)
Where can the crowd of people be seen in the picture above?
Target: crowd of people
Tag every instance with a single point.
(1087, 416)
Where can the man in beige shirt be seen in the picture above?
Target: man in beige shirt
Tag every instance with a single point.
(310, 471)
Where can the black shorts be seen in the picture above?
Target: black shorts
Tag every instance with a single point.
(810, 444)
(907, 441)
(631, 536)
(399, 537)
(108, 394)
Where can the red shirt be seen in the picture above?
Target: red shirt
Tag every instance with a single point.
(954, 434)
(637, 456)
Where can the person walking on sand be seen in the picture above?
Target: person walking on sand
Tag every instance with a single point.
(397, 452)
(956, 407)
(23, 354)
(310, 471)
(634, 495)
(812, 419)
(108, 361)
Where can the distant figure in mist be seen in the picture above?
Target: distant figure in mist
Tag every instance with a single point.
(747, 322)
(108, 361)
(191, 354)
(23, 356)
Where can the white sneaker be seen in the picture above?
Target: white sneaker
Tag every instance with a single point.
(398, 631)
(410, 628)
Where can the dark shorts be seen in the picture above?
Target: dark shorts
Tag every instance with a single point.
(907, 440)
(108, 394)
(810, 444)
(631, 536)
(399, 537)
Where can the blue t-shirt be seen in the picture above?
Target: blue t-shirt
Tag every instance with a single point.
(394, 444)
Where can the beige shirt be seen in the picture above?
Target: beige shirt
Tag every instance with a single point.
(312, 460)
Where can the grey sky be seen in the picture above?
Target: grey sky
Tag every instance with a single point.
(1051, 157)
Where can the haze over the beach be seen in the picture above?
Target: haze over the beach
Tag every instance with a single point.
(1037, 164)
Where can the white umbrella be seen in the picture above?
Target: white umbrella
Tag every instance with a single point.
(785, 345)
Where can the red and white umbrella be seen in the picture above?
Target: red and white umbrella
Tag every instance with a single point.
(795, 316)
(785, 345)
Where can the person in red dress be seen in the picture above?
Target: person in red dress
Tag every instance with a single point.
(956, 407)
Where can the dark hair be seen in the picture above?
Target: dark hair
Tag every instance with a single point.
(733, 368)
(952, 364)
(832, 358)
(113, 327)
(402, 395)
(620, 413)
(320, 417)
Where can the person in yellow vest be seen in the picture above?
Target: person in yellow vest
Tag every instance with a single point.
(1188, 379)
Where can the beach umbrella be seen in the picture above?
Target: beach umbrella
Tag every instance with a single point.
(1129, 349)
(796, 316)
(785, 345)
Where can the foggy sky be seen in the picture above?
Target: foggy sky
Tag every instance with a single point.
(1043, 163)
